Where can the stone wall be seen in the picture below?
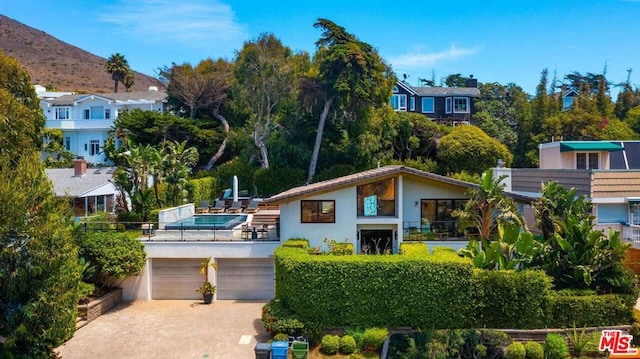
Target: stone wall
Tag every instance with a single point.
(96, 308)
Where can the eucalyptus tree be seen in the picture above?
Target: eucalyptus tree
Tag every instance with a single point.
(118, 67)
(264, 72)
(205, 86)
(347, 78)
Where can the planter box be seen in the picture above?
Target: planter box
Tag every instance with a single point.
(96, 308)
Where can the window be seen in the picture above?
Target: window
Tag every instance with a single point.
(107, 113)
(67, 143)
(94, 147)
(87, 114)
(399, 102)
(97, 112)
(377, 198)
(587, 161)
(318, 211)
(412, 104)
(567, 102)
(438, 213)
(460, 105)
(62, 113)
(447, 106)
(427, 105)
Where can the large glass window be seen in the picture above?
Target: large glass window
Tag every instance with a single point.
(377, 198)
(460, 105)
(318, 211)
(587, 161)
(97, 112)
(62, 113)
(437, 212)
(399, 102)
(427, 105)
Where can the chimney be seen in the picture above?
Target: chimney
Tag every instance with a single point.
(79, 167)
(471, 82)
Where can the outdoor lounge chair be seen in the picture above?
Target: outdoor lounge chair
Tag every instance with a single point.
(218, 207)
(236, 207)
(203, 207)
(252, 207)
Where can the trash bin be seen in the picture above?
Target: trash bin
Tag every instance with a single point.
(299, 350)
(279, 350)
(263, 350)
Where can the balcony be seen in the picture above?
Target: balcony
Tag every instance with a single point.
(80, 124)
(432, 231)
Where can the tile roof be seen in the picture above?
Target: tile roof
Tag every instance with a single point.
(65, 184)
(365, 176)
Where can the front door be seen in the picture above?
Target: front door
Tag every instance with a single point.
(376, 241)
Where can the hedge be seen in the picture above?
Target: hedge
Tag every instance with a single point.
(270, 181)
(589, 310)
(364, 291)
(203, 189)
(510, 299)
(439, 290)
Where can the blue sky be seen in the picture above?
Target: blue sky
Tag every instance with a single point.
(496, 41)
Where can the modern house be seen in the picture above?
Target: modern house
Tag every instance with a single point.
(86, 119)
(90, 191)
(451, 105)
(606, 172)
(377, 209)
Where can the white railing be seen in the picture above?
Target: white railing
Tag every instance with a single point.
(631, 233)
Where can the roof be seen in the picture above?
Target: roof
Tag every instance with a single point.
(569, 146)
(118, 98)
(367, 176)
(66, 184)
(447, 91)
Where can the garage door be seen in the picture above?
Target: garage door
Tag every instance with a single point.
(246, 278)
(175, 278)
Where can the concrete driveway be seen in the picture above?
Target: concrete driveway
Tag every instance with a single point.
(171, 329)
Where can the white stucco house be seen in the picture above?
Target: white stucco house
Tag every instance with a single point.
(377, 209)
(86, 119)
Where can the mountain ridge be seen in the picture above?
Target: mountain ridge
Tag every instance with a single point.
(60, 66)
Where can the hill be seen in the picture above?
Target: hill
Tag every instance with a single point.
(58, 65)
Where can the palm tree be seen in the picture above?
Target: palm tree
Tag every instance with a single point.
(118, 67)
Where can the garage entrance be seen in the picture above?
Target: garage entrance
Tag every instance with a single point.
(245, 278)
(175, 278)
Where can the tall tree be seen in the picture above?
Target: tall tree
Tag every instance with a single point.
(455, 80)
(347, 77)
(264, 74)
(118, 67)
(204, 86)
(39, 274)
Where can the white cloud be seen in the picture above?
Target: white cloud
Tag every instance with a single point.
(421, 59)
(189, 22)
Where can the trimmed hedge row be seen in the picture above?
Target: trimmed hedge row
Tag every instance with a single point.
(365, 291)
(422, 290)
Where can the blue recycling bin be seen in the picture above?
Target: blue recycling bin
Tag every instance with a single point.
(279, 350)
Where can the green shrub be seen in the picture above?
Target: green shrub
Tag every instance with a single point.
(373, 338)
(410, 291)
(342, 249)
(555, 347)
(414, 249)
(347, 344)
(116, 256)
(281, 337)
(494, 340)
(85, 290)
(516, 350)
(270, 181)
(534, 350)
(277, 319)
(330, 344)
(635, 331)
(357, 335)
(131, 220)
(203, 189)
(235, 167)
(579, 340)
(296, 243)
(509, 299)
(564, 309)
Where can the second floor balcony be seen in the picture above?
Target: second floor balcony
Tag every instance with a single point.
(79, 124)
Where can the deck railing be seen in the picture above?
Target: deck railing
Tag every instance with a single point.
(194, 233)
(436, 230)
(631, 233)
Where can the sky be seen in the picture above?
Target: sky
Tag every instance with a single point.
(495, 41)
